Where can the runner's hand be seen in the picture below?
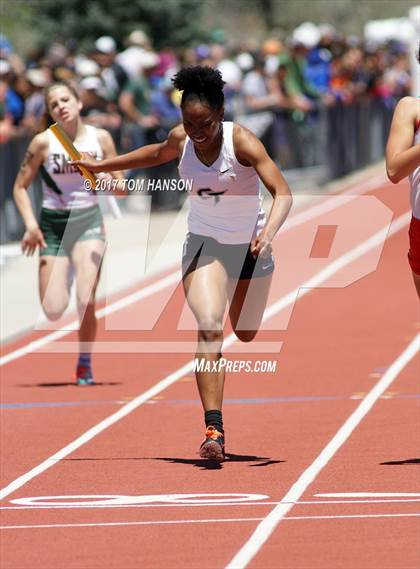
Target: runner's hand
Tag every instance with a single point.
(261, 246)
(32, 239)
(87, 161)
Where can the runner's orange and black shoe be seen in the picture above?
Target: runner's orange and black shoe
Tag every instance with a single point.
(213, 446)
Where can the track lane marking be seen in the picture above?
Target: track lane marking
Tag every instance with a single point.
(369, 495)
(270, 522)
(230, 504)
(207, 521)
(301, 291)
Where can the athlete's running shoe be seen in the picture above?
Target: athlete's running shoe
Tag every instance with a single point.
(213, 446)
(84, 376)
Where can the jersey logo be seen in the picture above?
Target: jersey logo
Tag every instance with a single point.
(206, 193)
(60, 163)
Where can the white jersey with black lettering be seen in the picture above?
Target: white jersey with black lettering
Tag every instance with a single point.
(66, 177)
(225, 199)
(414, 179)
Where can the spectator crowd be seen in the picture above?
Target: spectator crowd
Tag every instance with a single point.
(129, 91)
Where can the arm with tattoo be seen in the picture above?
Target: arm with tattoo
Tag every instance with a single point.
(26, 160)
(33, 159)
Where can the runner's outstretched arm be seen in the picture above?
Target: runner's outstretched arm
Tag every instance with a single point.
(144, 157)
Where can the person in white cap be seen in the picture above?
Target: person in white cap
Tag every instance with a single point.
(97, 109)
(132, 58)
(34, 104)
(135, 102)
(86, 67)
(112, 73)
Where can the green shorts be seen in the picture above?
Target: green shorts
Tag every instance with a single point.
(63, 228)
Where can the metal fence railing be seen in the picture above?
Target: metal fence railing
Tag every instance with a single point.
(340, 138)
(356, 136)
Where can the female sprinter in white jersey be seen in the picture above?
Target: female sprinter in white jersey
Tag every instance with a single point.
(403, 159)
(71, 230)
(227, 253)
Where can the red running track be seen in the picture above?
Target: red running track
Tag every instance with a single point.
(339, 416)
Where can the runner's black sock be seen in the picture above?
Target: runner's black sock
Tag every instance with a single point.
(84, 360)
(214, 418)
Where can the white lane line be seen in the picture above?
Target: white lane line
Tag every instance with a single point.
(370, 495)
(296, 219)
(268, 525)
(142, 347)
(227, 504)
(305, 288)
(142, 523)
(209, 521)
(351, 516)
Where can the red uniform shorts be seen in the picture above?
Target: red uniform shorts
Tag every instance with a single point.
(414, 252)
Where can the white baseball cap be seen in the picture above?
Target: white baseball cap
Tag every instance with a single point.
(307, 34)
(138, 37)
(91, 84)
(86, 67)
(5, 67)
(106, 44)
(37, 77)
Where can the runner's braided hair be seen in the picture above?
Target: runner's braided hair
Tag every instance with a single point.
(202, 83)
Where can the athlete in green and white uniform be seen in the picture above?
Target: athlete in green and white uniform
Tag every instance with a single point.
(71, 230)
